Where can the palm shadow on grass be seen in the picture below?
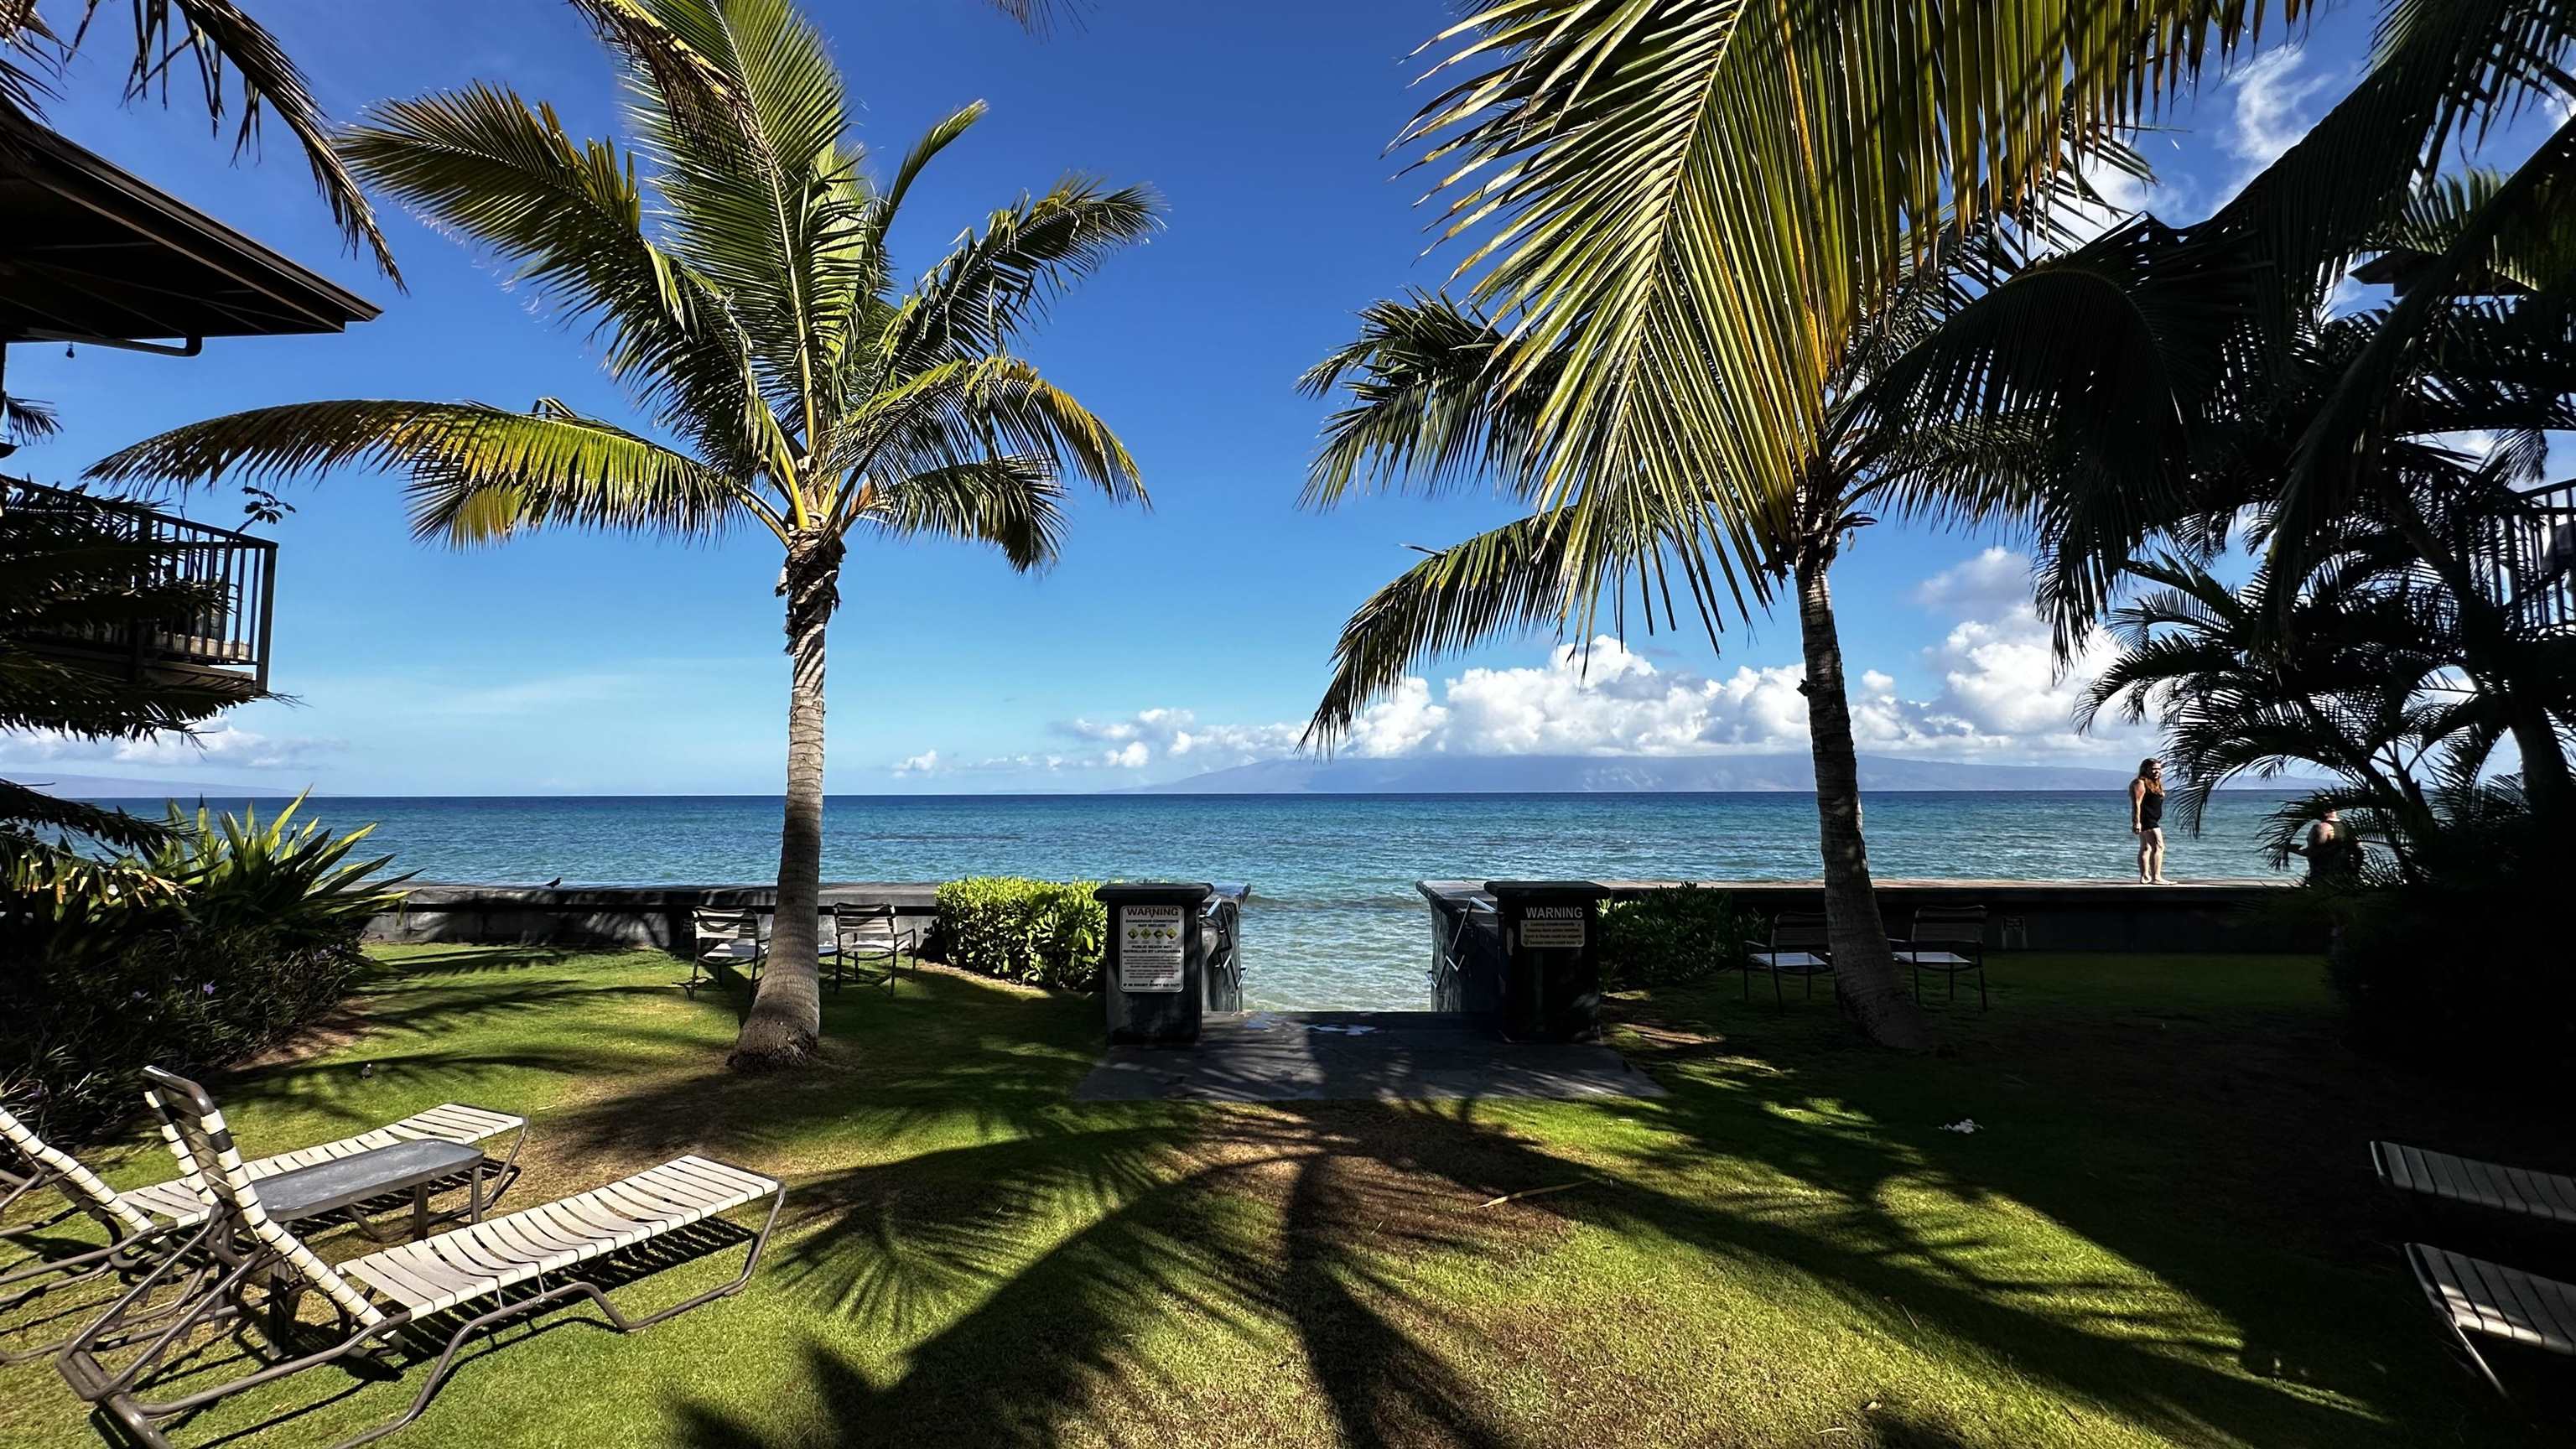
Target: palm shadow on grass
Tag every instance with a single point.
(1013, 1246)
(1305, 1216)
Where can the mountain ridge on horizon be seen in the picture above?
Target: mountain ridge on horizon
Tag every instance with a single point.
(1587, 774)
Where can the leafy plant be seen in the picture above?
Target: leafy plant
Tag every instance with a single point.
(225, 943)
(1671, 936)
(1042, 933)
(288, 877)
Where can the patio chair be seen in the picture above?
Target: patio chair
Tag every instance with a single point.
(2490, 1301)
(460, 1281)
(725, 938)
(1950, 940)
(1797, 945)
(141, 1224)
(868, 933)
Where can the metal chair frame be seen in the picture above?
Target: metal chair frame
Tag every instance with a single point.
(729, 927)
(868, 931)
(1792, 933)
(1954, 930)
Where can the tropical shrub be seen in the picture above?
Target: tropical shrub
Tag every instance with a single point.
(2464, 960)
(227, 941)
(1670, 936)
(1042, 933)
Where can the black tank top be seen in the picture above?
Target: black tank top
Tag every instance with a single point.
(2151, 810)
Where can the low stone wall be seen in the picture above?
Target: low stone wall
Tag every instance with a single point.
(2201, 916)
(607, 915)
(2191, 917)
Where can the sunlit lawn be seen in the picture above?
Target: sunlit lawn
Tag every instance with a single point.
(2164, 1231)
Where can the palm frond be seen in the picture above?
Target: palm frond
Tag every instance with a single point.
(484, 165)
(998, 282)
(478, 473)
(1426, 404)
(1012, 503)
(764, 211)
(1693, 205)
(962, 414)
(1505, 580)
(225, 47)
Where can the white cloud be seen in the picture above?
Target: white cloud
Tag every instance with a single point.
(2272, 110)
(1164, 732)
(221, 744)
(925, 763)
(2000, 695)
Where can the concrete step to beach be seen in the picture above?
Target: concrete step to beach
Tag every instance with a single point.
(1347, 1056)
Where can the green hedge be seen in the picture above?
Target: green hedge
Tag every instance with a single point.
(1043, 933)
(1674, 935)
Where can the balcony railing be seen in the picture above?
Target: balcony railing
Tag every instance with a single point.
(229, 634)
(2535, 560)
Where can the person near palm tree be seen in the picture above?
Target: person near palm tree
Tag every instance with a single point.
(2147, 820)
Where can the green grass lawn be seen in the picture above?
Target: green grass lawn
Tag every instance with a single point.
(2165, 1232)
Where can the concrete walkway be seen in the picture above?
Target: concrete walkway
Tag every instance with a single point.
(1330, 1056)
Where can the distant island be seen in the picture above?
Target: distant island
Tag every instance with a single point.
(107, 787)
(1576, 774)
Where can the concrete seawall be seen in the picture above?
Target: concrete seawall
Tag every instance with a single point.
(2198, 916)
(2190, 916)
(607, 915)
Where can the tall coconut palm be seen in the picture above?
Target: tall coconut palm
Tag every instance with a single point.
(1682, 218)
(744, 297)
(1428, 408)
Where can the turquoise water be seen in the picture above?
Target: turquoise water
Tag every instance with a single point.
(1334, 921)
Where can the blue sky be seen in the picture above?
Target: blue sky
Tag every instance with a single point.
(1192, 636)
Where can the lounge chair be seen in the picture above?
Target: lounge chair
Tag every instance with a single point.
(2476, 1299)
(2534, 1198)
(141, 1224)
(1798, 945)
(1950, 940)
(464, 1277)
(868, 933)
(725, 938)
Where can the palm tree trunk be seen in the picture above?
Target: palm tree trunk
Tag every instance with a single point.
(1865, 979)
(786, 1020)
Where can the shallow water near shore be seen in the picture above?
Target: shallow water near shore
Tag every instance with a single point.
(1334, 921)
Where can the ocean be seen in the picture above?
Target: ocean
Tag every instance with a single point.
(1334, 919)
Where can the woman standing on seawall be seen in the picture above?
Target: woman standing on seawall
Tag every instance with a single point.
(2147, 820)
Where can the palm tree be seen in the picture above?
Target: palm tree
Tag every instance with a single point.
(1686, 216)
(2358, 689)
(749, 308)
(1429, 408)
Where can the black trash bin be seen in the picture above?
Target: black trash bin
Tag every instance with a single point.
(1154, 974)
(1551, 970)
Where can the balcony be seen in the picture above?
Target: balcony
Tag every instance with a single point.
(229, 636)
(2535, 561)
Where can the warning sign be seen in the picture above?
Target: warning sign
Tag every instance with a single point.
(1558, 928)
(1149, 947)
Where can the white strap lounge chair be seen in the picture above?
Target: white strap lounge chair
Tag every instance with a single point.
(473, 1278)
(1798, 946)
(2438, 1177)
(141, 1224)
(2476, 1299)
(870, 933)
(725, 938)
